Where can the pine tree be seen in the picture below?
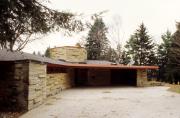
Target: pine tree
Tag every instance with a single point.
(141, 48)
(111, 55)
(125, 58)
(173, 67)
(119, 53)
(39, 53)
(47, 53)
(97, 42)
(163, 52)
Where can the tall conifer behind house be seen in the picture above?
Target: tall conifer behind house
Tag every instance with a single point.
(97, 42)
(173, 67)
(141, 47)
(162, 54)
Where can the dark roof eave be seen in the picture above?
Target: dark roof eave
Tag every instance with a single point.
(96, 66)
(104, 66)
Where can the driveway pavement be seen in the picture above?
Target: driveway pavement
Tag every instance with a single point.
(110, 102)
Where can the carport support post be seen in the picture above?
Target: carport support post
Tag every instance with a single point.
(141, 78)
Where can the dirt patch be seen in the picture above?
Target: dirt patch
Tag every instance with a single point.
(106, 91)
(49, 104)
(174, 88)
(10, 114)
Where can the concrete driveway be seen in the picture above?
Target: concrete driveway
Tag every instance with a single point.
(110, 102)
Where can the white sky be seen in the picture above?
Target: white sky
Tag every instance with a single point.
(157, 15)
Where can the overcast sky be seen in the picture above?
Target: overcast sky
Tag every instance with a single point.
(157, 15)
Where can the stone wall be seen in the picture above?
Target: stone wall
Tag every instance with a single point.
(14, 85)
(37, 84)
(21, 83)
(141, 78)
(69, 53)
(56, 82)
(99, 77)
(25, 85)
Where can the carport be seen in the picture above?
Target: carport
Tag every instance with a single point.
(104, 77)
(123, 77)
(109, 75)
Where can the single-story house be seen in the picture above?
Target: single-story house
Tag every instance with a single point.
(27, 80)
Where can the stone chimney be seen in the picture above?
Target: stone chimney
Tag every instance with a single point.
(69, 53)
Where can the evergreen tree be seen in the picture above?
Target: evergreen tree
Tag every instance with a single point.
(173, 67)
(119, 53)
(111, 55)
(141, 48)
(125, 58)
(163, 52)
(97, 42)
(39, 53)
(47, 53)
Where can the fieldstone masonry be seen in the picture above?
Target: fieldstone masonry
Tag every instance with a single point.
(69, 54)
(37, 84)
(141, 78)
(56, 82)
(21, 84)
(25, 85)
(43, 85)
(14, 85)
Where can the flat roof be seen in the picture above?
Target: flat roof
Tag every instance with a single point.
(104, 66)
(67, 47)
(98, 62)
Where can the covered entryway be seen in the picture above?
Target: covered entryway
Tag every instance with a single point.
(106, 75)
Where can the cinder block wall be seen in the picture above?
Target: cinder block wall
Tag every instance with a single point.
(69, 53)
(141, 78)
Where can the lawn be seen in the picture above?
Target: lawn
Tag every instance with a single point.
(174, 88)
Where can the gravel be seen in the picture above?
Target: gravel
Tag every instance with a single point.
(110, 102)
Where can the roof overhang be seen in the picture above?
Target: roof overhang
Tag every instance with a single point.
(103, 66)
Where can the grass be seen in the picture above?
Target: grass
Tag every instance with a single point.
(174, 88)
